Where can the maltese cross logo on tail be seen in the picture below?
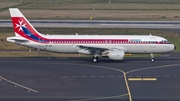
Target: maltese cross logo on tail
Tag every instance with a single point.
(20, 25)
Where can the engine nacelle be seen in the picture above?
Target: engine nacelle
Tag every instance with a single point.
(116, 54)
(83, 51)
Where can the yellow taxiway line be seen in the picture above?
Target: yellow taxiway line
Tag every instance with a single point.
(150, 79)
(142, 79)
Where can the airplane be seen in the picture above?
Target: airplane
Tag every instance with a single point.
(112, 46)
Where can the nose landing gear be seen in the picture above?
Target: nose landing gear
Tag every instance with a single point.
(152, 57)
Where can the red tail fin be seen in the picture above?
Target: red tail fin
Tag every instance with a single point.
(21, 24)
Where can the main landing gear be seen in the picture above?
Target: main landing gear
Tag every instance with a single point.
(95, 58)
(152, 57)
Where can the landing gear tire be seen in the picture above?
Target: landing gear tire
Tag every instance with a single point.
(152, 57)
(152, 60)
(95, 59)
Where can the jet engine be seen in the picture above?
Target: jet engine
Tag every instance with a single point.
(116, 54)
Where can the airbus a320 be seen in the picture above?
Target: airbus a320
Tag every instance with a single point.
(112, 46)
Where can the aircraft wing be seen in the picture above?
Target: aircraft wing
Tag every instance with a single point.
(97, 49)
(92, 47)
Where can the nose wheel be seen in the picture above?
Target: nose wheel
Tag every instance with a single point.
(152, 57)
(152, 60)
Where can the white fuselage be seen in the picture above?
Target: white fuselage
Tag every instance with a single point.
(68, 43)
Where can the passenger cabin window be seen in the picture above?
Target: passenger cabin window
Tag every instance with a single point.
(165, 41)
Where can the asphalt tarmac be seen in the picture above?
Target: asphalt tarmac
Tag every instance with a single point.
(78, 79)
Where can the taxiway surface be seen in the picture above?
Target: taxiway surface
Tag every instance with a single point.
(134, 79)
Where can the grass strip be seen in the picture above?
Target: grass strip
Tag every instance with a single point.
(14, 6)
